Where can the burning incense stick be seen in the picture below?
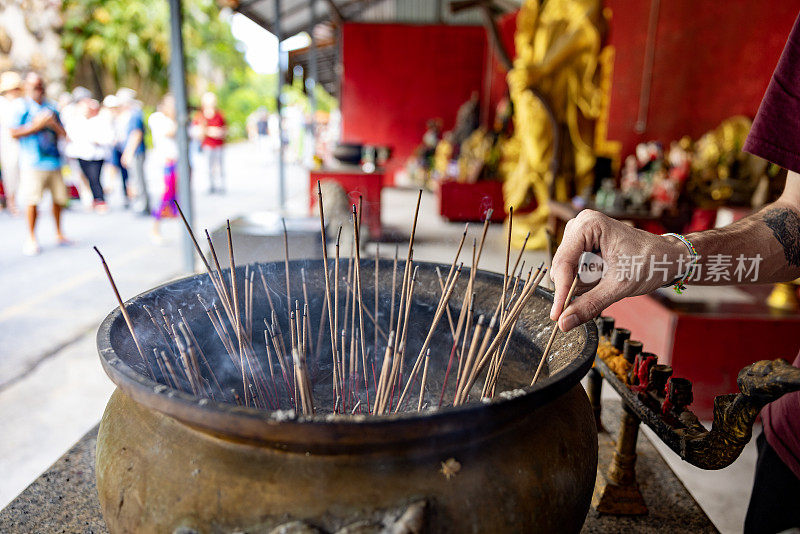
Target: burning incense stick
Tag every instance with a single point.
(436, 317)
(376, 294)
(356, 229)
(237, 326)
(555, 330)
(423, 381)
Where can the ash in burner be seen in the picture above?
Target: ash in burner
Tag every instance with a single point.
(349, 336)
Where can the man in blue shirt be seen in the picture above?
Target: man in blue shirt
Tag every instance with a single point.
(132, 157)
(38, 128)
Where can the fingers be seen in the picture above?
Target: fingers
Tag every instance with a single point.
(588, 306)
(578, 238)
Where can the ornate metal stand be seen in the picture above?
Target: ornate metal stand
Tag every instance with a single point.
(616, 491)
(650, 394)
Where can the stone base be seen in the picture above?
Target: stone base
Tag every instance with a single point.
(610, 498)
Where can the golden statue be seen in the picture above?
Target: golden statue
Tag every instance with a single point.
(556, 88)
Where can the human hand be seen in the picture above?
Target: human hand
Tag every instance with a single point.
(43, 119)
(125, 159)
(618, 244)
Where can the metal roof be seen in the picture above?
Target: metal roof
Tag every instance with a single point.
(297, 15)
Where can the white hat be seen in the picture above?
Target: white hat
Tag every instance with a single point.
(111, 101)
(126, 96)
(79, 93)
(10, 80)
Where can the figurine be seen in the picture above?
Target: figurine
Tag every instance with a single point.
(606, 195)
(442, 156)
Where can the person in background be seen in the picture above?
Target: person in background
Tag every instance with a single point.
(163, 128)
(258, 130)
(120, 129)
(211, 125)
(91, 137)
(10, 99)
(69, 110)
(132, 157)
(37, 127)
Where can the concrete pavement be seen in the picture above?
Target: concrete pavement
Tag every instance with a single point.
(52, 388)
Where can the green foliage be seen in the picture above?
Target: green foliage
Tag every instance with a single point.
(119, 43)
(241, 94)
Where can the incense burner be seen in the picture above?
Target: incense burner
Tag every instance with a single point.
(526, 460)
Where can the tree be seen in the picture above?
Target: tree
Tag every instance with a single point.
(113, 43)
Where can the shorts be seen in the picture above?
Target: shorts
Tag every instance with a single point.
(33, 182)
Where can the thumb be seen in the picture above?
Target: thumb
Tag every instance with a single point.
(587, 306)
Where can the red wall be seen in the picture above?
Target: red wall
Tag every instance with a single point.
(712, 60)
(396, 77)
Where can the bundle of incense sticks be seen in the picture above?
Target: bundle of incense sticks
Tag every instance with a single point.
(277, 375)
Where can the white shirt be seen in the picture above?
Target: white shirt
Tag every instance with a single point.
(91, 139)
(9, 147)
(164, 144)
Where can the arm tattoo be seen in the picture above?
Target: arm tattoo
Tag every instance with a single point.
(785, 226)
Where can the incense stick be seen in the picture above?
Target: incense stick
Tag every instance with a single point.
(123, 309)
(237, 326)
(286, 263)
(555, 330)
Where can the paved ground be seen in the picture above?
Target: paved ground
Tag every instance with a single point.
(52, 388)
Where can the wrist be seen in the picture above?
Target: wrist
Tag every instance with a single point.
(682, 257)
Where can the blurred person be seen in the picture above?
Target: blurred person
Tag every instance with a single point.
(10, 100)
(38, 127)
(258, 130)
(69, 110)
(163, 128)
(211, 125)
(120, 129)
(133, 150)
(91, 138)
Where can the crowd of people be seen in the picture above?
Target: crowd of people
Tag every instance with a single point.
(74, 146)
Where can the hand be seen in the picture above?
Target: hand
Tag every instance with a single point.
(617, 243)
(43, 119)
(125, 159)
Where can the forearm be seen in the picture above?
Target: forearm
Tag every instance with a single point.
(58, 129)
(24, 131)
(133, 141)
(762, 248)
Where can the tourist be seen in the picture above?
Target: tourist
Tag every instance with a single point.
(211, 125)
(119, 121)
(133, 151)
(163, 128)
(69, 109)
(10, 100)
(91, 137)
(37, 127)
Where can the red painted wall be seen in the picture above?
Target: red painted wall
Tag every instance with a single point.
(712, 60)
(397, 76)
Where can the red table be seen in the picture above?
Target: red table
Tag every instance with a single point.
(709, 342)
(356, 183)
(463, 202)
